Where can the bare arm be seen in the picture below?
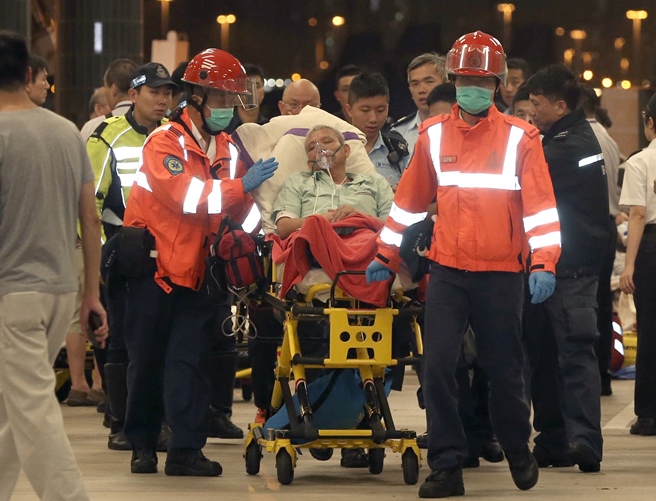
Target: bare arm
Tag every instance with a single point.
(288, 225)
(636, 229)
(90, 229)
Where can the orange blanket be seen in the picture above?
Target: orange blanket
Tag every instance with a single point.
(349, 244)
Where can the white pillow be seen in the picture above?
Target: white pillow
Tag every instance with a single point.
(284, 138)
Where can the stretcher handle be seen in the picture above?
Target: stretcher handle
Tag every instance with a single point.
(336, 281)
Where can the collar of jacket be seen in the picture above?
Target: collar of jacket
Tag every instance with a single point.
(184, 120)
(492, 113)
(135, 125)
(563, 124)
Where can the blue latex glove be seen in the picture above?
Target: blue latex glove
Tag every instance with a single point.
(377, 272)
(258, 173)
(541, 285)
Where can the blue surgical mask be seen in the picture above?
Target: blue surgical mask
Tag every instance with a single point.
(474, 100)
(219, 118)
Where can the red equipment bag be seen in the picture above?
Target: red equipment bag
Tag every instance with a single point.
(238, 251)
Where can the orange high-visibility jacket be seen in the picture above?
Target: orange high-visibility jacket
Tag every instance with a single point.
(181, 199)
(493, 191)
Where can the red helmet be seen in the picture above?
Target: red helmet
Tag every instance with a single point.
(477, 54)
(216, 69)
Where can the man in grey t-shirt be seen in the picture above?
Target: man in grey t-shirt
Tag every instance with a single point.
(46, 183)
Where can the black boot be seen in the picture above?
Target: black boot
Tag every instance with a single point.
(117, 393)
(223, 367)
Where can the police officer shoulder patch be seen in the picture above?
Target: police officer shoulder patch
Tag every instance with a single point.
(174, 165)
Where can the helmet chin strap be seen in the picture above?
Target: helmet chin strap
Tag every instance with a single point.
(200, 108)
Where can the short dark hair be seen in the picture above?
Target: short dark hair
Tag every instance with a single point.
(367, 85)
(120, 73)
(177, 75)
(13, 61)
(253, 70)
(522, 94)
(589, 101)
(346, 71)
(36, 64)
(517, 63)
(650, 110)
(443, 93)
(556, 82)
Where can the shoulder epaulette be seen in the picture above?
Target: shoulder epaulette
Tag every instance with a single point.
(103, 125)
(404, 120)
(530, 129)
(396, 144)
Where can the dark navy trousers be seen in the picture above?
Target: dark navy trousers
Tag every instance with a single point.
(560, 336)
(168, 338)
(492, 303)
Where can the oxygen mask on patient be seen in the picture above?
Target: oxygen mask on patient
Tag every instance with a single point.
(325, 157)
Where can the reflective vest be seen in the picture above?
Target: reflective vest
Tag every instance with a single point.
(115, 152)
(179, 196)
(494, 196)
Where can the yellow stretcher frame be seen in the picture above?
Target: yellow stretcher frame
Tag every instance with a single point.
(367, 333)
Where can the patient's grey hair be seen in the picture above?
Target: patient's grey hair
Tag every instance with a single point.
(339, 135)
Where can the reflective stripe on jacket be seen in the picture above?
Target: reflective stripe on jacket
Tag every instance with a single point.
(181, 199)
(494, 196)
(115, 152)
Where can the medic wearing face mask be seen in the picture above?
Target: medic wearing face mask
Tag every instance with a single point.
(189, 179)
(494, 201)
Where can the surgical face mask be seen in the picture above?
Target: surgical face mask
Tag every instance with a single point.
(474, 100)
(219, 118)
(325, 158)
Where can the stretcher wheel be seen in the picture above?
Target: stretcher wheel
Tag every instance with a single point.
(410, 465)
(376, 458)
(253, 456)
(284, 467)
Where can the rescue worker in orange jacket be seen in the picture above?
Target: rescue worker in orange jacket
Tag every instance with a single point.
(494, 194)
(179, 198)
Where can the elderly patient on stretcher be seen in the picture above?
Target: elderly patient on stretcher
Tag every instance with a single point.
(330, 216)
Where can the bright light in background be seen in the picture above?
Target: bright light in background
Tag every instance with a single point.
(587, 75)
(568, 55)
(619, 43)
(229, 19)
(97, 38)
(560, 31)
(324, 65)
(625, 84)
(578, 34)
(280, 82)
(312, 21)
(296, 76)
(597, 91)
(636, 14)
(587, 57)
(607, 83)
(338, 21)
(624, 64)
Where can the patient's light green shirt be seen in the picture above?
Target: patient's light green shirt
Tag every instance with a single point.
(307, 193)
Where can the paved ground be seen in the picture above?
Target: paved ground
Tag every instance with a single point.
(627, 470)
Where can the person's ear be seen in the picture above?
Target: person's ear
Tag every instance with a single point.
(281, 108)
(348, 109)
(561, 107)
(347, 150)
(28, 76)
(132, 94)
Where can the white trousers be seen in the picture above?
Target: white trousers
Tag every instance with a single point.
(33, 326)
